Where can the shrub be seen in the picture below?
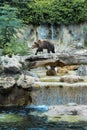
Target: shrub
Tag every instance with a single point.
(15, 47)
(9, 22)
(51, 11)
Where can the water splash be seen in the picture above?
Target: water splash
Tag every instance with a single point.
(41, 108)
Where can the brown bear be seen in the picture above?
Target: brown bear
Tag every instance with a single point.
(45, 44)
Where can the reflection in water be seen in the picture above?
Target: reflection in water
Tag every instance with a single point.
(32, 122)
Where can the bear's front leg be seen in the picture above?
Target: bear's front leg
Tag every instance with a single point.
(38, 50)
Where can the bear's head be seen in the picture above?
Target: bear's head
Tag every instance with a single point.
(39, 41)
(35, 45)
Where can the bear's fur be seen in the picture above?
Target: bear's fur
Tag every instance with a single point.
(45, 44)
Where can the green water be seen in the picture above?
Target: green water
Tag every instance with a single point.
(21, 119)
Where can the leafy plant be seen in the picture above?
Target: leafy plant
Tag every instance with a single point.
(8, 23)
(58, 12)
(15, 47)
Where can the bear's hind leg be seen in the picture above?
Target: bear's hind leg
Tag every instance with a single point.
(48, 50)
(53, 51)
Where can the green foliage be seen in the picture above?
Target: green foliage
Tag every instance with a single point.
(51, 11)
(15, 47)
(17, 77)
(8, 23)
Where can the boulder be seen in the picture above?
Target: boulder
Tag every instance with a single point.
(71, 78)
(26, 81)
(11, 95)
(10, 64)
(51, 72)
(66, 69)
(29, 73)
(81, 71)
(7, 82)
(79, 45)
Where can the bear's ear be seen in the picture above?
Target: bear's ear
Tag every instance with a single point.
(35, 43)
(39, 41)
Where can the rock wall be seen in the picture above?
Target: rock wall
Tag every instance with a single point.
(15, 82)
(73, 34)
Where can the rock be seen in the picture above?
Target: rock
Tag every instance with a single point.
(29, 73)
(81, 71)
(1, 69)
(11, 65)
(79, 45)
(71, 79)
(51, 72)
(74, 112)
(72, 104)
(62, 70)
(26, 81)
(66, 69)
(6, 84)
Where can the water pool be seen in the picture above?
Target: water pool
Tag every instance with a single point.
(21, 119)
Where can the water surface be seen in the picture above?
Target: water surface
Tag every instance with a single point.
(21, 119)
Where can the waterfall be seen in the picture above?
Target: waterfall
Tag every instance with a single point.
(42, 32)
(55, 95)
(46, 32)
(52, 32)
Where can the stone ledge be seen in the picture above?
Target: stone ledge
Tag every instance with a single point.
(59, 84)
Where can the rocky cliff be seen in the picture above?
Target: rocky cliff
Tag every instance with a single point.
(71, 34)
